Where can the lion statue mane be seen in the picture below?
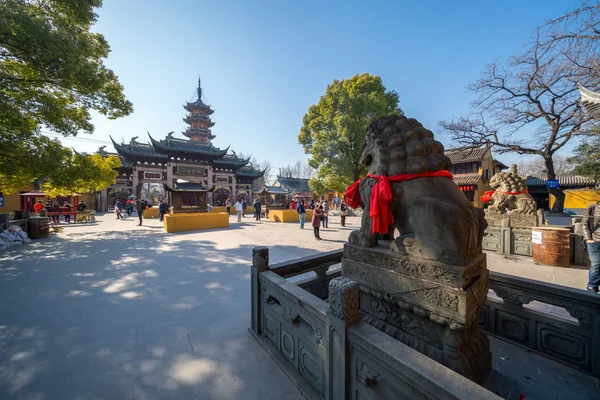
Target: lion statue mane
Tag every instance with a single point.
(504, 199)
(434, 218)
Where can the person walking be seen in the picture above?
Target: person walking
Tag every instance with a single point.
(118, 210)
(325, 218)
(163, 209)
(56, 208)
(343, 212)
(129, 207)
(228, 205)
(140, 206)
(67, 207)
(257, 209)
(316, 221)
(301, 213)
(81, 206)
(591, 235)
(293, 205)
(239, 209)
(312, 204)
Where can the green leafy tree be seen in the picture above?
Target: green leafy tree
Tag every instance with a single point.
(51, 75)
(587, 159)
(333, 130)
(82, 173)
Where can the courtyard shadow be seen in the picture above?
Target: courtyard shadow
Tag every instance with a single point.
(131, 315)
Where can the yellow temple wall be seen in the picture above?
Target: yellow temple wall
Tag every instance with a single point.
(288, 215)
(195, 221)
(579, 198)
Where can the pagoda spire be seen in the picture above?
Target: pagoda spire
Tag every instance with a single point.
(198, 119)
(199, 89)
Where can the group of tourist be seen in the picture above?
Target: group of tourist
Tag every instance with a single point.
(240, 209)
(320, 214)
(54, 207)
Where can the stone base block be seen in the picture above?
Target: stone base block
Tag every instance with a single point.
(449, 294)
(473, 359)
(512, 220)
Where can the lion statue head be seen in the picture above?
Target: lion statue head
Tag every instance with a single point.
(508, 182)
(399, 145)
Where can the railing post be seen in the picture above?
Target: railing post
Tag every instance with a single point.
(260, 263)
(343, 311)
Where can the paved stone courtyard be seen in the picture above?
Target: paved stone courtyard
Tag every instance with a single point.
(112, 310)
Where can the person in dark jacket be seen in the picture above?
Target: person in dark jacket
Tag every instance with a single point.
(140, 206)
(301, 213)
(316, 221)
(257, 209)
(163, 209)
(591, 235)
(129, 207)
(343, 212)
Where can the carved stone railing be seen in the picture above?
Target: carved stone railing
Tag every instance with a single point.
(517, 241)
(508, 240)
(575, 341)
(325, 349)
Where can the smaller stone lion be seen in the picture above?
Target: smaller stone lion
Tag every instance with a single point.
(510, 195)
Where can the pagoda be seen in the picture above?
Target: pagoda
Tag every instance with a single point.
(195, 159)
(198, 119)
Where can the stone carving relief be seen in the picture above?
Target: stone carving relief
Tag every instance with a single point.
(366, 375)
(437, 297)
(343, 298)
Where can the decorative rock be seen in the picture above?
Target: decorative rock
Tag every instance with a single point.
(260, 258)
(343, 298)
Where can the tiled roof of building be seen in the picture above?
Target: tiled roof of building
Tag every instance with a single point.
(249, 172)
(297, 184)
(458, 156)
(138, 150)
(173, 146)
(273, 190)
(472, 178)
(189, 187)
(591, 101)
(231, 161)
(501, 164)
(563, 181)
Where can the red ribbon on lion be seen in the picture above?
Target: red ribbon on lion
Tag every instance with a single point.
(487, 196)
(381, 196)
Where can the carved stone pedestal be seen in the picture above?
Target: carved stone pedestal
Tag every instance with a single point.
(508, 220)
(430, 306)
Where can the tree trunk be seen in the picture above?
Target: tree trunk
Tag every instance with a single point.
(559, 195)
(356, 174)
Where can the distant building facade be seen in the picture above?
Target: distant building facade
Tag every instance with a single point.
(472, 170)
(195, 159)
(539, 191)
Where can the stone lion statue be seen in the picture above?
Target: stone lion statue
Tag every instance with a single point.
(510, 195)
(434, 218)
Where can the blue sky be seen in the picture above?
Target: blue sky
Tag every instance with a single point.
(263, 63)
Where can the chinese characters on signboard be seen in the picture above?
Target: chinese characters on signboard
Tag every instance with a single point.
(221, 179)
(552, 184)
(191, 171)
(153, 176)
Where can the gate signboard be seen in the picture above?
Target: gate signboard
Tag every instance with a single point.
(153, 176)
(221, 179)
